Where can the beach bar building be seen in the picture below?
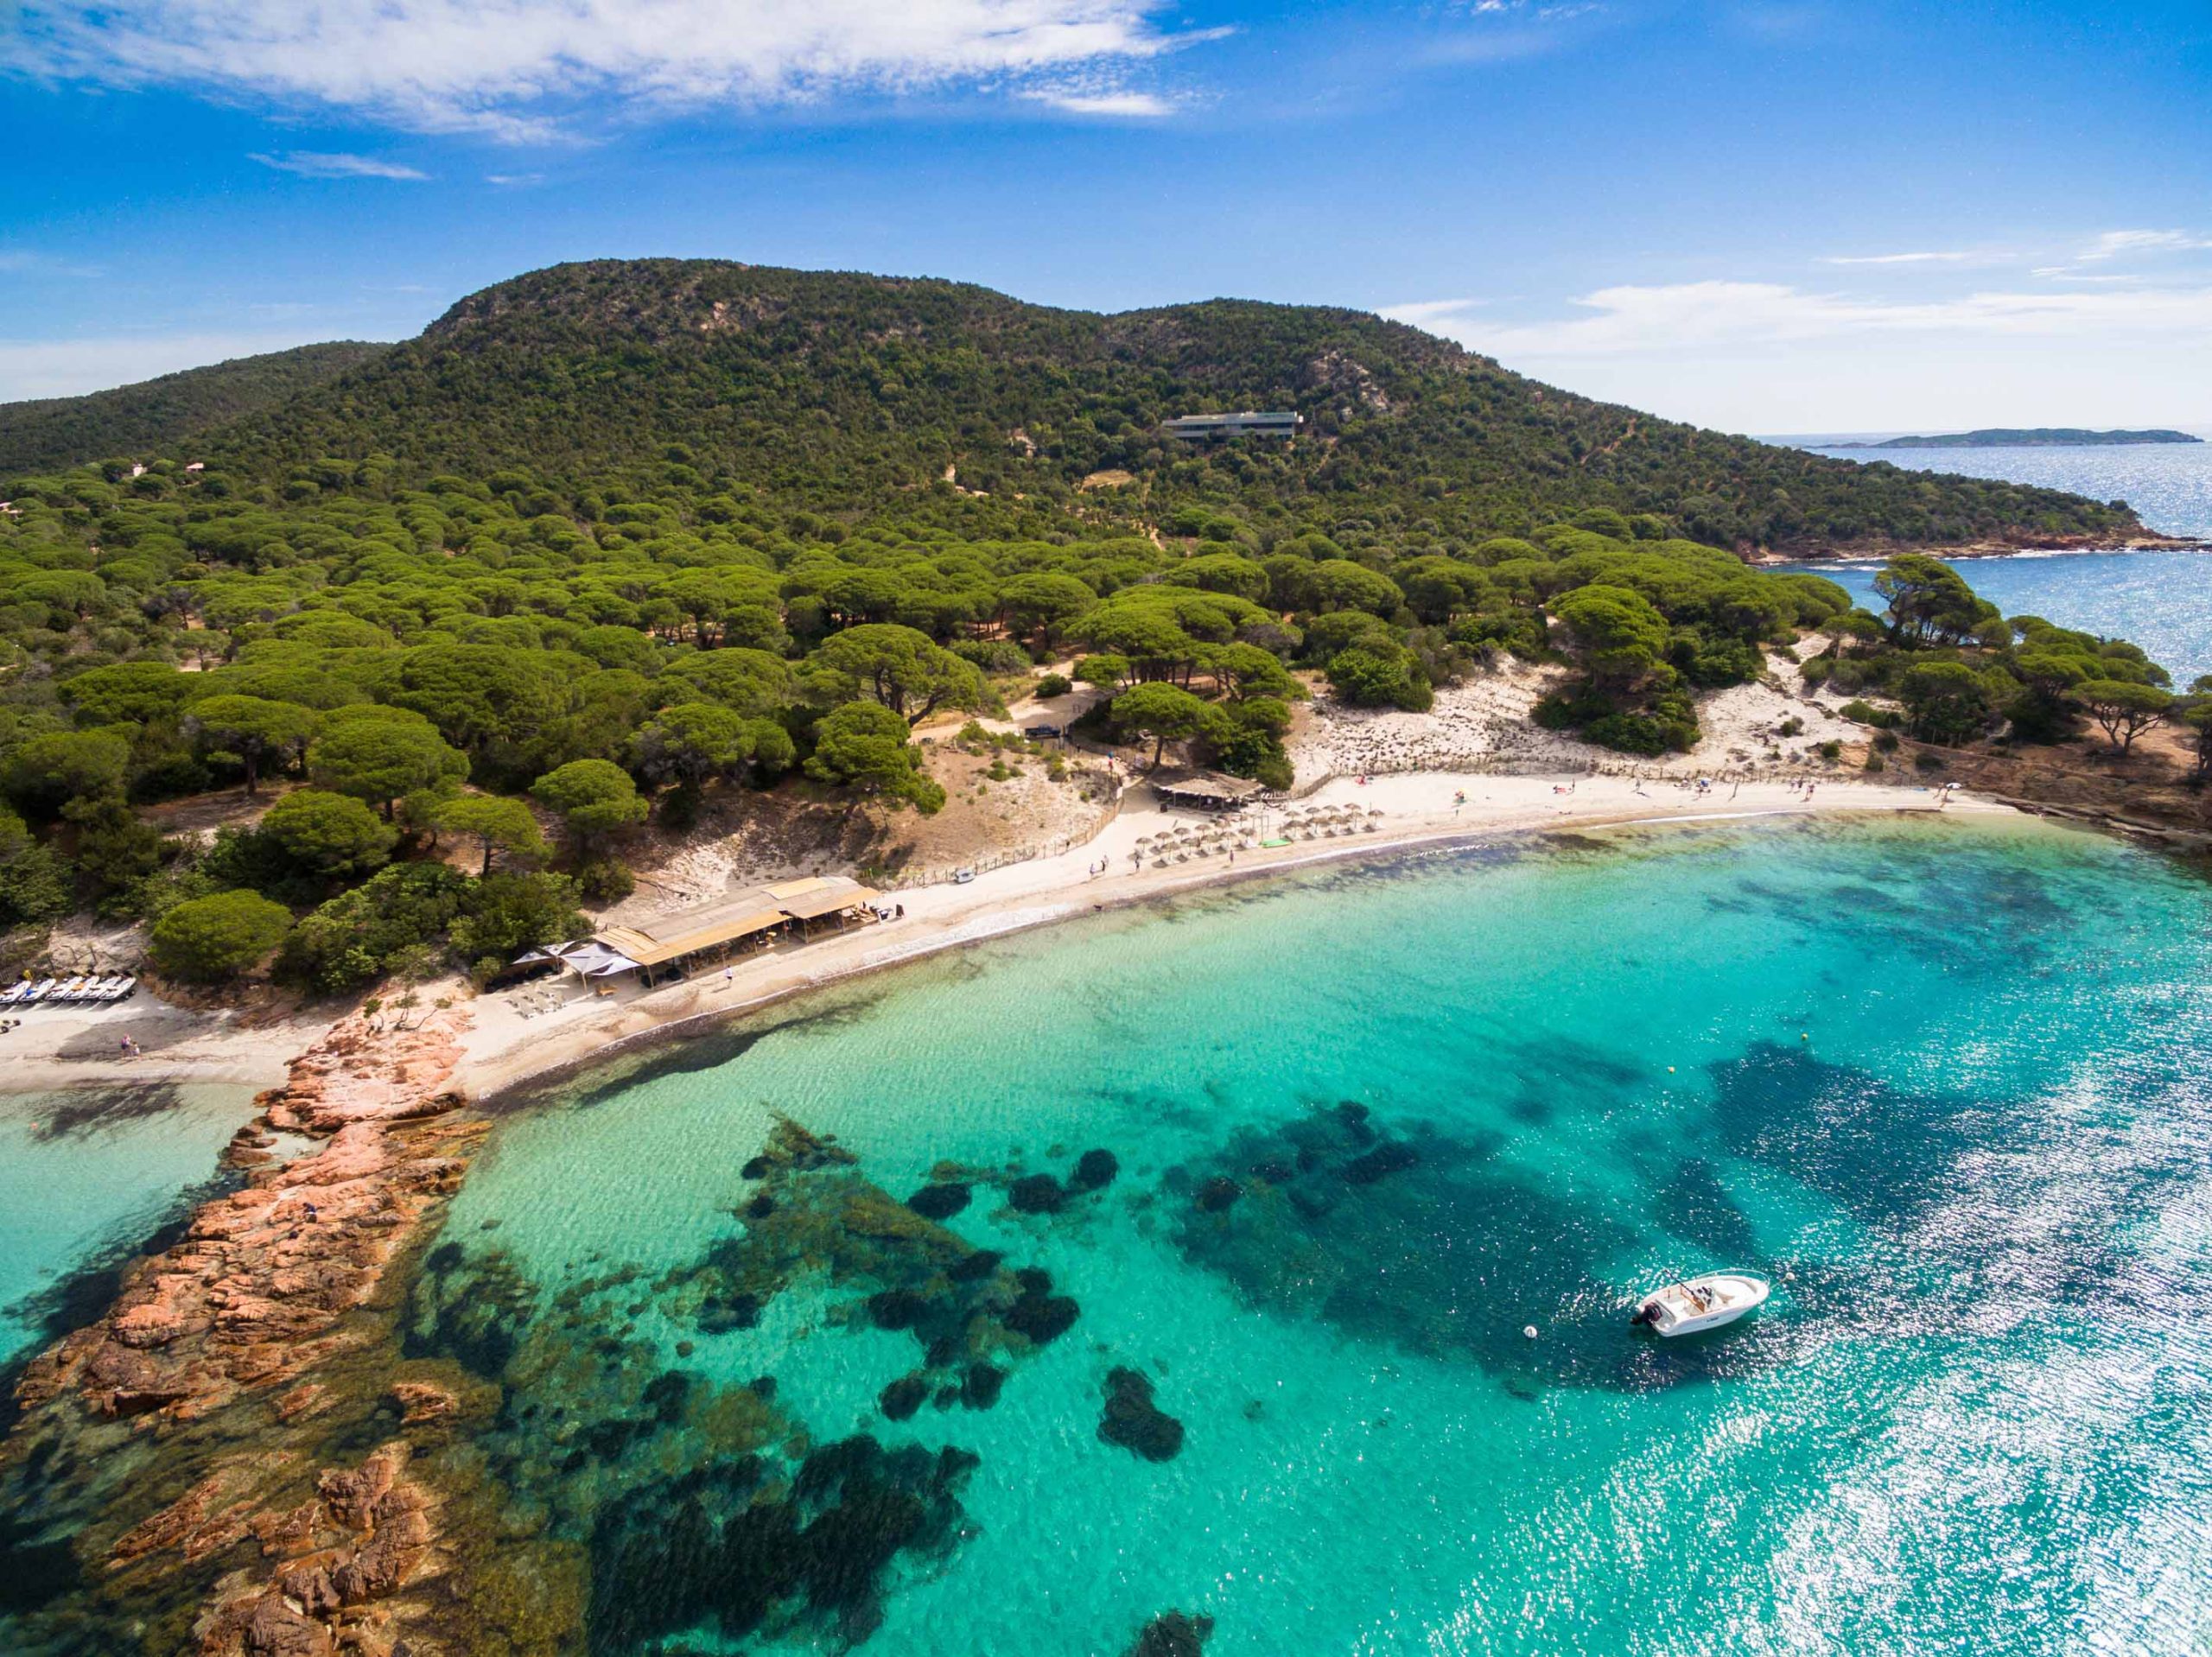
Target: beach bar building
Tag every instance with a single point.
(675, 944)
(1205, 790)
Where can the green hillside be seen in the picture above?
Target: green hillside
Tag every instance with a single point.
(612, 540)
(156, 416)
(839, 392)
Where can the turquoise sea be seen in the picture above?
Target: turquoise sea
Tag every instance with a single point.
(1063, 1296)
(1263, 1360)
(88, 1178)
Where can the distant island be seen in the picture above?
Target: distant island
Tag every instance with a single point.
(2028, 437)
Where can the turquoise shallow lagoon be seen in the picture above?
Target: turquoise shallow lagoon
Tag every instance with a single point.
(1947, 1085)
(87, 1178)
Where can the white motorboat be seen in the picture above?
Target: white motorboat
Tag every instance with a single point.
(1702, 1302)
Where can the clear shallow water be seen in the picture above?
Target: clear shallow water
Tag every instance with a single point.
(2169, 485)
(2161, 600)
(1948, 1086)
(86, 1177)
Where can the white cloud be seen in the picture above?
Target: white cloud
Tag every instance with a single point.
(1422, 312)
(1764, 357)
(1693, 315)
(514, 178)
(2118, 243)
(511, 68)
(1141, 105)
(310, 163)
(61, 368)
(1897, 259)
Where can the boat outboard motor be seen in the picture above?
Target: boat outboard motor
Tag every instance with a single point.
(1641, 1316)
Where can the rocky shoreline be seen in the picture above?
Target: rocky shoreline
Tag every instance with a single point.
(1846, 552)
(206, 1417)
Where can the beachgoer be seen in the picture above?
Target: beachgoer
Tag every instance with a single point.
(901, 914)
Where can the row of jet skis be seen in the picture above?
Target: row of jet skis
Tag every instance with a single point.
(84, 990)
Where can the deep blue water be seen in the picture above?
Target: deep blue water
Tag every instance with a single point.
(2169, 485)
(2161, 600)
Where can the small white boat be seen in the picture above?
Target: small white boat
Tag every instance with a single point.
(40, 991)
(1702, 1302)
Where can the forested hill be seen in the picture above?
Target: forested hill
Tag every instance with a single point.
(154, 417)
(843, 393)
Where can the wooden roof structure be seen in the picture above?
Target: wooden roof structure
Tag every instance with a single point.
(1206, 787)
(658, 942)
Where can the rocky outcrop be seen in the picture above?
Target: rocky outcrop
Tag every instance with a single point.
(254, 1294)
(237, 1364)
(369, 1535)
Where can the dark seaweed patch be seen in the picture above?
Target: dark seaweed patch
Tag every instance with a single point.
(939, 1202)
(1132, 1421)
(1421, 1240)
(83, 1112)
(719, 1552)
(1036, 1194)
(1174, 1634)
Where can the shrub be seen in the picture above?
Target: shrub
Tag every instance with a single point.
(1053, 684)
(207, 940)
(1929, 762)
(1830, 750)
(1874, 762)
(605, 881)
(1866, 713)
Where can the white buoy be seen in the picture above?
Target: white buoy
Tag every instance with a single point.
(1530, 1330)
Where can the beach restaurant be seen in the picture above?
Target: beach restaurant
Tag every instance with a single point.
(675, 944)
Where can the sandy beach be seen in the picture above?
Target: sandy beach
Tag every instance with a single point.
(501, 1047)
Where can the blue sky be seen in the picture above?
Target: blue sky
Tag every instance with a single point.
(1769, 217)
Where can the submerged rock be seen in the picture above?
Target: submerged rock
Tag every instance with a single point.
(939, 1202)
(1094, 1171)
(979, 1388)
(1218, 1192)
(1390, 1159)
(1174, 1634)
(1132, 1420)
(903, 1397)
(1036, 1194)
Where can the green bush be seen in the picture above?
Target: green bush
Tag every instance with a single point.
(1053, 684)
(208, 940)
(605, 881)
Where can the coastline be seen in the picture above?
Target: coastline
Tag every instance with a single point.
(500, 1050)
(260, 1350)
(502, 1053)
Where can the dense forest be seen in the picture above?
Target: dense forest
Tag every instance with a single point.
(612, 537)
(840, 391)
(154, 415)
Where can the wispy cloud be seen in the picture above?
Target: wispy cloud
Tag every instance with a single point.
(1127, 104)
(1897, 259)
(1630, 319)
(1423, 311)
(514, 68)
(2120, 244)
(310, 163)
(514, 179)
